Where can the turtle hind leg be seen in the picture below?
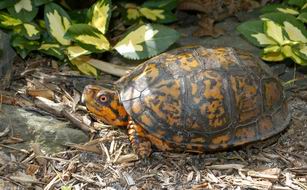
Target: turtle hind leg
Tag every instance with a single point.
(137, 137)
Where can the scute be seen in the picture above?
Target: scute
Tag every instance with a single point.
(199, 99)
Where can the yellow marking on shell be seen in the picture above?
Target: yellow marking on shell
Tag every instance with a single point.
(136, 107)
(150, 73)
(272, 94)
(198, 140)
(194, 88)
(265, 125)
(246, 98)
(245, 133)
(214, 109)
(220, 140)
(167, 106)
(196, 100)
(159, 144)
(177, 139)
(218, 57)
(195, 126)
(146, 120)
(185, 61)
(215, 91)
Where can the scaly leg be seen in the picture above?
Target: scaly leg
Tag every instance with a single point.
(140, 143)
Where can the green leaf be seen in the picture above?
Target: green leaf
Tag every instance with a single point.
(303, 17)
(301, 51)
(253, 32)
(41, 2)
(294, 33)
(288, 11)
(76, 51)
(30, 31)
(133, 13)
(88, 37)
(157, 15)
(298, 3)
(82, 64)
(152, 14)
(23, 46)
(100, 14)
(271, 8)
(271, 49)
(24, 10)
(161, 4)
(79, 16)
(281, 18)
(288, 52)
(274, 31)
(53, 49)
(9, 22)
(8, 3)
(272, 56)
(146, 41)
(57, 22)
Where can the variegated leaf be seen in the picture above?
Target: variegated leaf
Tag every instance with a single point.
(7, 21)
(301, 51)
(23, 45)
(57, 22)
(24, 10)
(294, 33)
(76, 51)
(31, 31)
(152, 14)
(288, 52)
(100, 14)
(88, 37)
(274, 31)
(273, 56)
(53, 49)
(253, 32)
(82, 64)
(146, 41)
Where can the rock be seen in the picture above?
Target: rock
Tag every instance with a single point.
(7, 56)
(50, 133)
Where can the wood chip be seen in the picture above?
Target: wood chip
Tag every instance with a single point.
(128, 178)
(253, 184)
(271, 174)
(45, 93)
(24, 178)
(127, 158)
(226, 166)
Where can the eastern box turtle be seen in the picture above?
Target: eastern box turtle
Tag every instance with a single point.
(194, 99)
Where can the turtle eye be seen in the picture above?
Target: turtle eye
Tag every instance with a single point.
(103, 98)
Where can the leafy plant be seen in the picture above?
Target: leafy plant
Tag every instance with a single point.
(72, 36)
(281, 31)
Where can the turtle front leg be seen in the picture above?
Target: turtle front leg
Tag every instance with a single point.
(140, 143)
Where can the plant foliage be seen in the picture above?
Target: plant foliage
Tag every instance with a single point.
(281, 31)
(73, 35)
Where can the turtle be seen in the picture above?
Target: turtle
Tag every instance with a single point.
(194, 99)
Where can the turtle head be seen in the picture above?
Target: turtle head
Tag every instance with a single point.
(104, 105)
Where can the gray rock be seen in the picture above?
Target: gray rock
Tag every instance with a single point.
(50, 133)
(7, 54)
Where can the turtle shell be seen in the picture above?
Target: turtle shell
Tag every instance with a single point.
(199, 99)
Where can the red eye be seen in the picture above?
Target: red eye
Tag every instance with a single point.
(103, 98)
